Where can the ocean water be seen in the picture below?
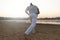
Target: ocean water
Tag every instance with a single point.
(38, 21)
(49, 21)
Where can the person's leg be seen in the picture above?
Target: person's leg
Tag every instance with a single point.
(33, 31)
(31, 27)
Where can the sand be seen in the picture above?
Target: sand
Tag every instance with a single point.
(15, 31)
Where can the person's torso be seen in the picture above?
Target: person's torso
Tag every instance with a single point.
(33, 9)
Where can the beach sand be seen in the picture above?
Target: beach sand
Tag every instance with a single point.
(15, 31)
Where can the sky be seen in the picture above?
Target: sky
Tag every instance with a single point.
(16, 8)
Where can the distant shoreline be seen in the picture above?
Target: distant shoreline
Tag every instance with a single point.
(9, 18)
(38, 21)
(27, 22)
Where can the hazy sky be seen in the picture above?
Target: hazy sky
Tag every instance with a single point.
(16, 8)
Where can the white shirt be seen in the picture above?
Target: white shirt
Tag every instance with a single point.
(32, 9)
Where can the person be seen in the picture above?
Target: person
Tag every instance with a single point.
(33, 12)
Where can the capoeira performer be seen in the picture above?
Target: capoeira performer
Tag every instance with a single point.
(33, 12)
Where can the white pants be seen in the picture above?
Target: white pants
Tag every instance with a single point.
(33, 24)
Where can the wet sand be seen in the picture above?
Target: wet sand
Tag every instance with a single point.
(15, 31)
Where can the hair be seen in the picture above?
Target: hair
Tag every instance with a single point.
(31, 4)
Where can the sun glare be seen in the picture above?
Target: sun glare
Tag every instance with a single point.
(16, 8)
(13, 8)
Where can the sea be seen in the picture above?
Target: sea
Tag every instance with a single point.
(38, 21)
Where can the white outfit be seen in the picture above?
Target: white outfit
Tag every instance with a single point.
(33, 24)
(32, 13)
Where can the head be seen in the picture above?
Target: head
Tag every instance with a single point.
(31, 4)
